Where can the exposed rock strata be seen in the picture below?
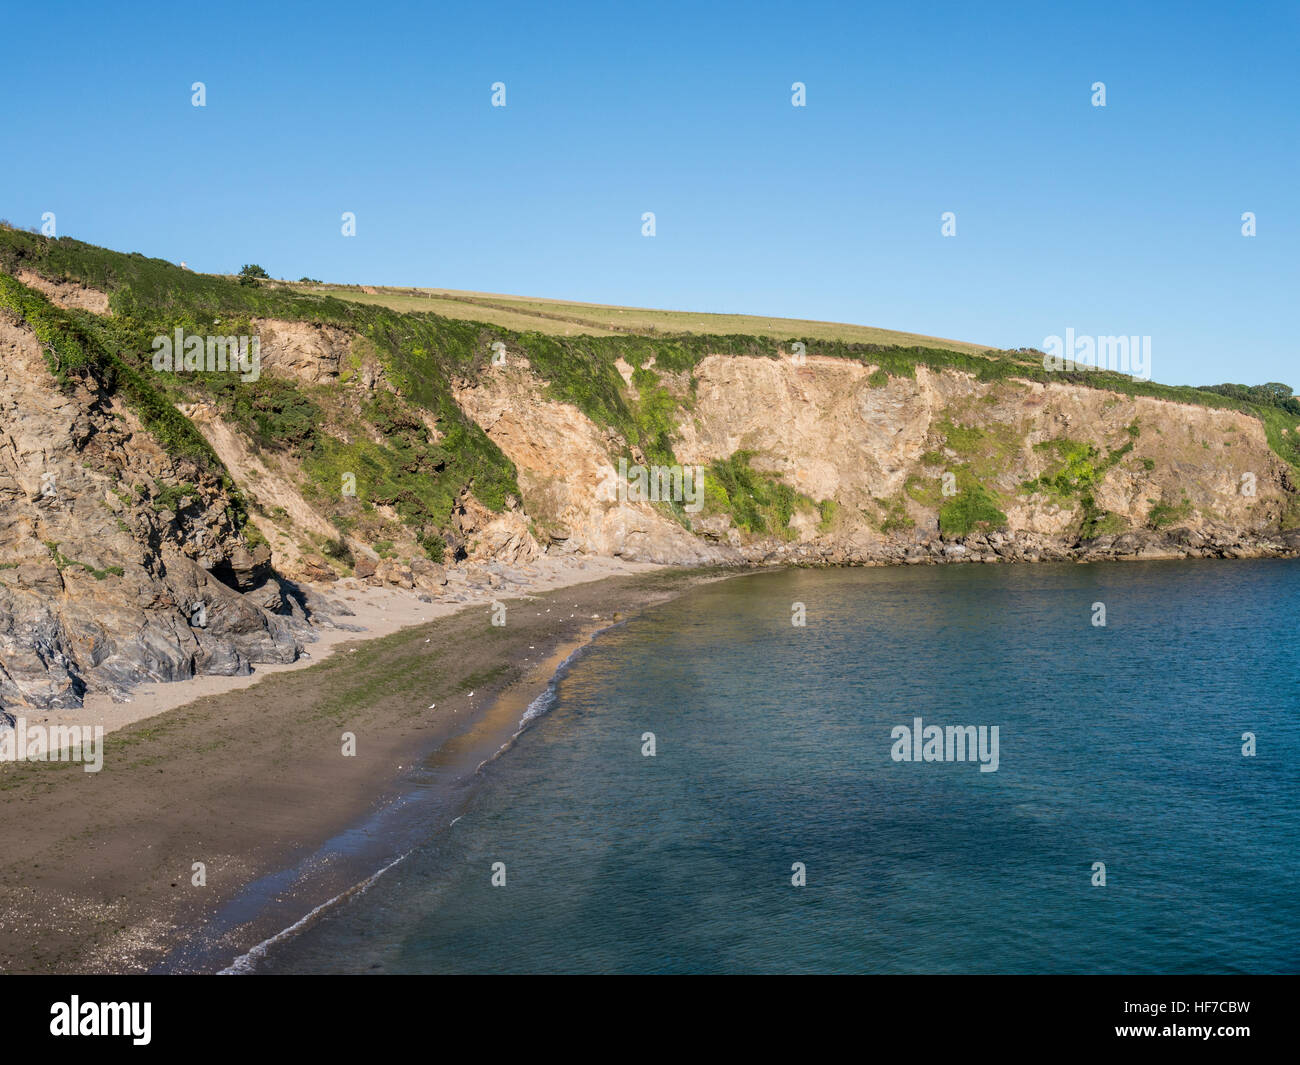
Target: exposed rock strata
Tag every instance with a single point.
(120, 564)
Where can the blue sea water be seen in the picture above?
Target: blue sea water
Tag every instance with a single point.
(1119, 744)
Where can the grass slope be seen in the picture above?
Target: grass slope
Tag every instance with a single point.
(570, 318)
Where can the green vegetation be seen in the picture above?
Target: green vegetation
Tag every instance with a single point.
(275, 415)
(62, 562)
(1075, 475)
(655, 415)
(894, 517)
(405, 471)
(757, 502)
(68, 350)
(384, 438)
(169, 496)
(421, 347)
(81, 348)
(150, 297)
(928, 491)
(1273, 394)
(972, 508)
(1096, 521)
(826, 511)
(982, 455)
(983, 452)
(338, 550)
(1076, 470)
(1164, 514)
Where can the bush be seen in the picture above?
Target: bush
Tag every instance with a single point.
(338, 550)
(974, 507)
(757, 503)
(253, 275)
(435, 547)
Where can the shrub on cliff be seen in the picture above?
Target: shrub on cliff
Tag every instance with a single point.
(971, 509)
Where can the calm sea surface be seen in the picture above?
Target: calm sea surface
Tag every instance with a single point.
(1120, 745)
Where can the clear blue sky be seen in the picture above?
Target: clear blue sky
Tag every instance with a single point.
(1122, 220)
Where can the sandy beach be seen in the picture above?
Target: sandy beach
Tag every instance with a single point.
(248, 776)
(376, 611)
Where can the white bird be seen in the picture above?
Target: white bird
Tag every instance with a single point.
(432, 706)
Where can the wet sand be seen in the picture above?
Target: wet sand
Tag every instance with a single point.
(98, 872)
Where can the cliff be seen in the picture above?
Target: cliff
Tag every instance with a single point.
(161, 522)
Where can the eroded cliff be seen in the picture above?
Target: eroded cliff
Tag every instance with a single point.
(158, 521)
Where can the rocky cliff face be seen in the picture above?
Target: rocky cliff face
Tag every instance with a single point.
(568, 475)
(120, 562)
(117, 564)
(875, 439)
(879, 451)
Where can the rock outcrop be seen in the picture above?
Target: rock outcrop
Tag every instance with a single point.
(117, 563)
(834, 431)
(568, 475)
(315, 354)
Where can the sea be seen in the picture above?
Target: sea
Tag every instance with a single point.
(731, 782)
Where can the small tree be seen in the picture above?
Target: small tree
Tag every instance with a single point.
(253, 275)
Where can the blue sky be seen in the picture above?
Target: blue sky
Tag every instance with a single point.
(1115, 220)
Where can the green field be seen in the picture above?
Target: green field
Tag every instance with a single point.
(570, 318)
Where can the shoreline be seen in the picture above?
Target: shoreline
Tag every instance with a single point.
(407, 818)
(251, 782)
(381, 610)
(377, 611)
